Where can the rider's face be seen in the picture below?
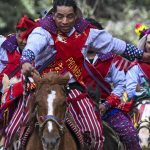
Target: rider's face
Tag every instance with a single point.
(21, 42)
(64, 18)
(147, 44)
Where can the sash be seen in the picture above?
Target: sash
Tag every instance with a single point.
(13, 62)
(73, 59)
(71, 55)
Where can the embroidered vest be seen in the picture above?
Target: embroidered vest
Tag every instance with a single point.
(13, 62)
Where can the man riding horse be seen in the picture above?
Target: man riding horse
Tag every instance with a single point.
(11, 102)
(63, 41)
(113, 110)
(138, 80)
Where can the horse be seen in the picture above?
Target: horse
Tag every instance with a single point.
(112, 140)
(49, 112)
(141, 120)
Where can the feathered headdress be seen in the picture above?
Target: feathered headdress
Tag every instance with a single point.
(141, 30)
(26, 25)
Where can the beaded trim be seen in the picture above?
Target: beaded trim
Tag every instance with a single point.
(27, 56)
(10, 44)
(104, 57)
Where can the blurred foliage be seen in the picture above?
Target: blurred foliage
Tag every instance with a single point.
(12, 10)
(118, 17)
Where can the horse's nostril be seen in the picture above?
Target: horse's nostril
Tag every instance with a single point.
(50, 142)
(53, 142)
(43, 140)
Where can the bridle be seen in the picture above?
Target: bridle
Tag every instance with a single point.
(60, 123)
(143, 126)
(43, 120)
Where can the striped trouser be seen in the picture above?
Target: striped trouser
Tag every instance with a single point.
(87, 118)
(20, 116)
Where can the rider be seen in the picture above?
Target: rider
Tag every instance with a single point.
(138, 76)
(138, 85)
(112, 75)
(63, 43)
(11, 50)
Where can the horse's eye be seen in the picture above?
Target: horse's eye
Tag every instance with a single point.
(48, 91)
(149, 139)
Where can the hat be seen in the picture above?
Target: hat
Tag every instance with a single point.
(142, 31)
(27, 25)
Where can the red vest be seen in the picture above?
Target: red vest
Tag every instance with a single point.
(13, 62)
(102, 68)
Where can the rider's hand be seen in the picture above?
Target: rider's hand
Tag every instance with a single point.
(102, 108)
(27, 68)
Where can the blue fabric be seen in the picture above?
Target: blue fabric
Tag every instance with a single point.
(110, 112)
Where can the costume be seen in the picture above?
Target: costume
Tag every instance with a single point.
(111, 73)
(12, 110)
(138, 73)
(10, 65)
(66, 53)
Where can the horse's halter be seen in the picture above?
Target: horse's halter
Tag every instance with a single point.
(143, 126)
(43, 120)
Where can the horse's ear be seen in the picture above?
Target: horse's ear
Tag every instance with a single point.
(64, 79)
(36, 76)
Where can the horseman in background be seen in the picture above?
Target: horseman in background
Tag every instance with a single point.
(10, 69)
(138, 82)
(110, 70)
(138, 72)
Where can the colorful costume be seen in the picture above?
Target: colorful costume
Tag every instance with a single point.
(138, 74)
(10, 65)
(62, 53)
(12, 110)
(111, 73)
(138, 77)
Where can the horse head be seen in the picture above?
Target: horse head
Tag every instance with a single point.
(144, 134)
(144, 124)
(50, 99)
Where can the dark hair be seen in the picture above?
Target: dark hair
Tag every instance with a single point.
(95, 23)
(70, 3)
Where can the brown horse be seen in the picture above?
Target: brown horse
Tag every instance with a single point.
(49, 110)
